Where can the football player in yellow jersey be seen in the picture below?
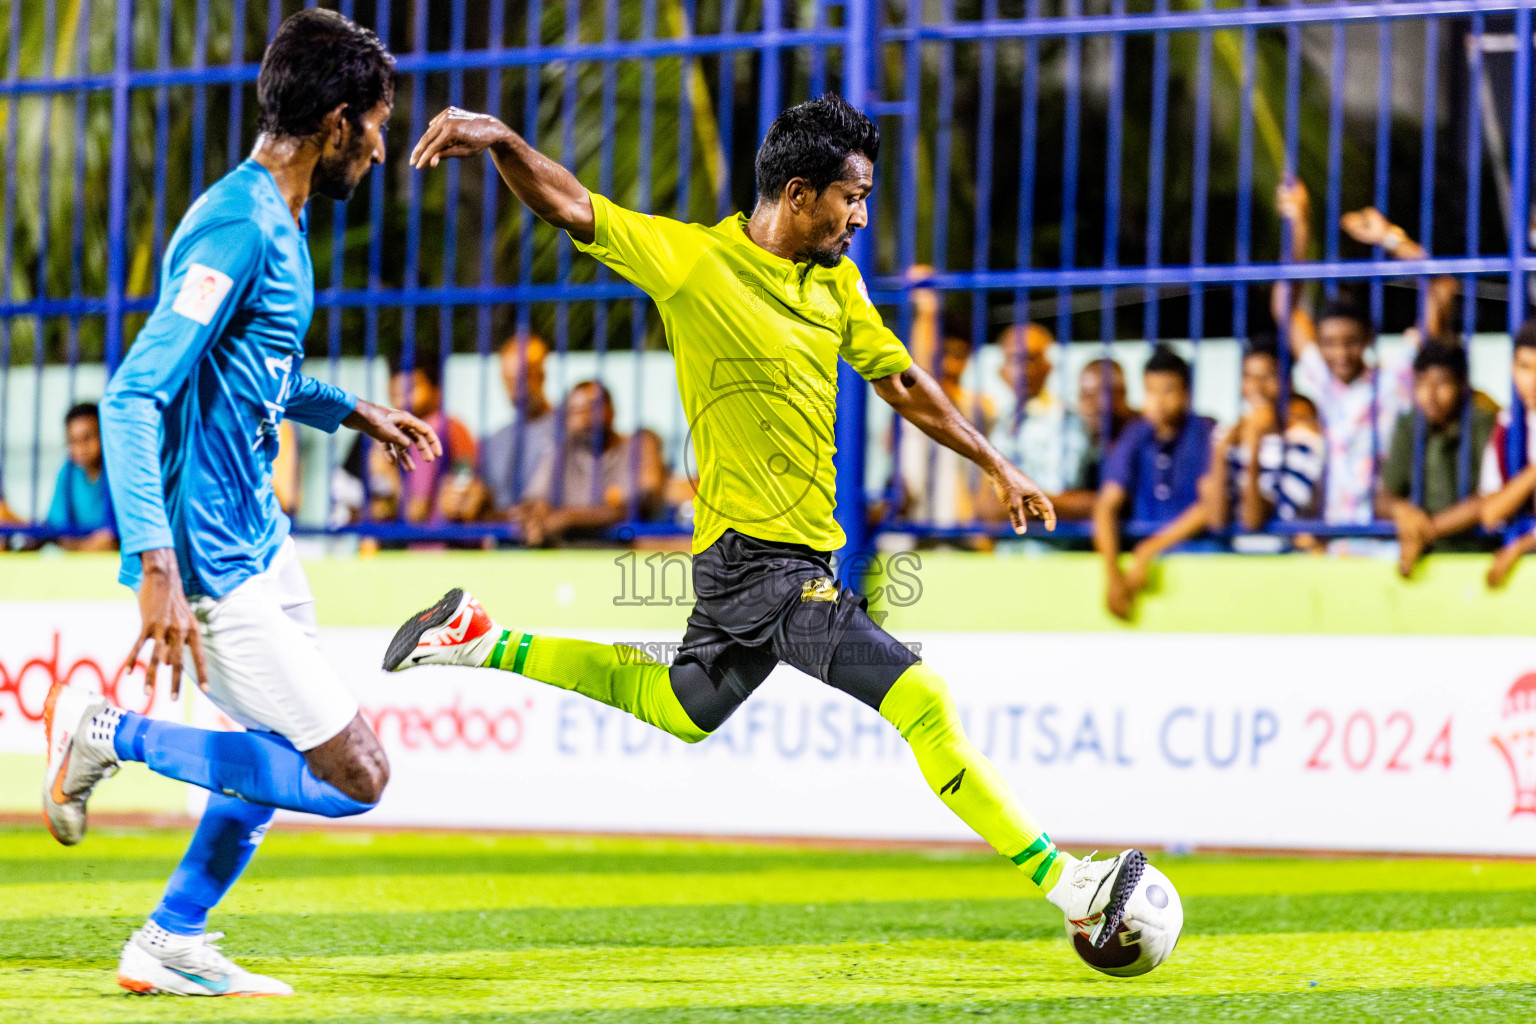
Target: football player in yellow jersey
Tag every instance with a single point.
(758, 309)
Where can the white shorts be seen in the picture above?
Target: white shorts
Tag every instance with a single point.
(265, 670)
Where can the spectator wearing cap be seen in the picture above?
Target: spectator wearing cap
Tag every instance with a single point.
(1153, 477)
(82, 504)
(1433, 503)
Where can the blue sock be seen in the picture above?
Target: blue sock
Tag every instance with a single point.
(223, 845)
(257, 767)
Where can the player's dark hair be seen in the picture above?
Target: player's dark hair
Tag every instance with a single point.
(1525, 337)
(1450, 358)
(317, 61)
(425, 360)
(1345, 309)
(1263, 344)
(1166, 360)
(82, 411)
(813, 140)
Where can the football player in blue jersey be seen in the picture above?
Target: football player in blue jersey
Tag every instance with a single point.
(190, 427)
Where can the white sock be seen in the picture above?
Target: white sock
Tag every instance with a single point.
(101, 733)
(162, 941)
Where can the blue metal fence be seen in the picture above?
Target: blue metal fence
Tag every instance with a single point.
(1101, 168)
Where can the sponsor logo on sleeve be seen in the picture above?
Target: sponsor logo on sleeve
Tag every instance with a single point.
(202, 292)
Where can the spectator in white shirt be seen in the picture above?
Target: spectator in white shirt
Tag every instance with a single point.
(1039, 434)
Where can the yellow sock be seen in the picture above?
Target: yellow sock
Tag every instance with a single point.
(620, 677)
(919, 706)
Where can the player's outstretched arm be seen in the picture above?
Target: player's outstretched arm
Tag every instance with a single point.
(397, 430)
(918, 398)
(549, 190)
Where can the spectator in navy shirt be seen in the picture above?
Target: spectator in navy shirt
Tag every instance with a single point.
(1153, 478)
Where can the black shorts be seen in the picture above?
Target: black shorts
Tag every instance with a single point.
(762, 602)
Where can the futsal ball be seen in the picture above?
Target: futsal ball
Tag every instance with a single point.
(1147, 934)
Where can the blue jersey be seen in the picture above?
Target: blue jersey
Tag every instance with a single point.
(189, 420)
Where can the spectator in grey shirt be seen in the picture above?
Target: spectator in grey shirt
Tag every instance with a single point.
(506, 468)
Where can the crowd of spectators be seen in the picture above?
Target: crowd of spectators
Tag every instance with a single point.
(1331, 438)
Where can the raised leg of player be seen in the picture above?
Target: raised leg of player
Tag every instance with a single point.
(832, 640)
(258, 767)
(620, 677)
(920, 708)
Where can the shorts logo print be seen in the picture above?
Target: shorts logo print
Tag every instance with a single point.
(822, 588)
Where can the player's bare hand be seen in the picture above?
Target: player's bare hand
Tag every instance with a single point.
(457, 133)
(397, 430)
(1022, 497)
(168, 621)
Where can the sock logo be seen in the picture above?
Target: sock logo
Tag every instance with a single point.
(953, 785)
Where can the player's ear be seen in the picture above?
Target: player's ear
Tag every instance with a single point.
(335, 124)
(800, 195)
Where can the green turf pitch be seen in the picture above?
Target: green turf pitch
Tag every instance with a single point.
(474, 928)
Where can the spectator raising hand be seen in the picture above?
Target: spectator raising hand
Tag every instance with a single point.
(1369, 226)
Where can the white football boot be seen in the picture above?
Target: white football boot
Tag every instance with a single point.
(455, 631)
(155, 962)
(1093, 893)
(80, 725)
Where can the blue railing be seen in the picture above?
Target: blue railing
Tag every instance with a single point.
(1101, 168)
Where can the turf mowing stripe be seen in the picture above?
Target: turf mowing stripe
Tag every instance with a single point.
(480, 891)
(584, 978)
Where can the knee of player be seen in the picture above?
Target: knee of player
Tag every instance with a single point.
(372, 781)
(918, 698)
(361, 779)
(694, 735)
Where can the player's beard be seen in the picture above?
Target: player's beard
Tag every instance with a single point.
(830, 256)
(335, 178)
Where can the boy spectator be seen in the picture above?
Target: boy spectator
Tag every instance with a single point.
(509, 456)
(1155, 473)
(81, 503)
(1436, 504)
(1331, 366)
(1508, 478)
(1256, 471)
(592, 480)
